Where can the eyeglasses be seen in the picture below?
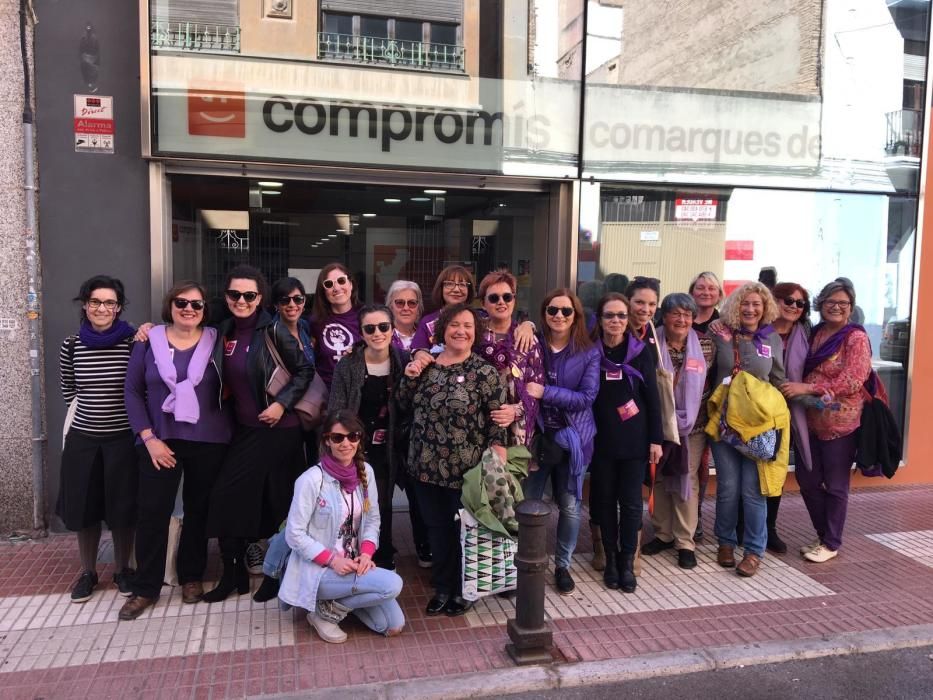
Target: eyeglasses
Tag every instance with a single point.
(383, 327)
(402, 303)
(108, 304)
(234, 296)
(494, 298)
(567, 311)
(329, 284)
(450, 284)
(836, 304)
(799, 303)
(337, 438)
(609, 315)
(680, 314)
(195, 304)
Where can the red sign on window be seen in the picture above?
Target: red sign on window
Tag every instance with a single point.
(695, 209)
(217, 113)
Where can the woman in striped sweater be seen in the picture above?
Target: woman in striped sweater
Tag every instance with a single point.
(98, 468)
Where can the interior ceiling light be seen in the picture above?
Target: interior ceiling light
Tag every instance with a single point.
(369, 215)
(269, 183)
(269, 192)
(332, 235)
(341, 230)
(435, 191)
(355, 223)
(391, 200)
(421, 199)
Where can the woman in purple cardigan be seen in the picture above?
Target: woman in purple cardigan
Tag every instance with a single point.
(565, 419)
(173, 400)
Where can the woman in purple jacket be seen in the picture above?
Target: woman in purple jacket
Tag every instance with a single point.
(173, 400)
(565, 420)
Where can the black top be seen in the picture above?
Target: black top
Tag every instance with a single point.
(703, 328)
(374, 412)
(628, 439)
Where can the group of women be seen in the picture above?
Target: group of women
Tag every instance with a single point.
(415, 400)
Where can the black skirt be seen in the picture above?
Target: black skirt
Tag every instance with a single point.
(99, 478)
(253, 491)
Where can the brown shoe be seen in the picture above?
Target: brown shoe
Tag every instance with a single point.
(725, 556)
(749, 565)
(135, 606)
(191, 592)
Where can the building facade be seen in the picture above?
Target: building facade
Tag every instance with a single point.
(565, 140)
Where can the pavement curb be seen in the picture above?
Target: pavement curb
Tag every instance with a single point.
(556, 676)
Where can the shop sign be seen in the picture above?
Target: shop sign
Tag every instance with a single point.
(695, 209)
(93, 124)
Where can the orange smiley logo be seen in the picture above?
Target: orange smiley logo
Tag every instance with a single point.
(217, 113)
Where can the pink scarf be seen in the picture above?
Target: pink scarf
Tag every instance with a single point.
(346, 475)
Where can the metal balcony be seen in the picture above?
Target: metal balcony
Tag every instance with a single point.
(904, 133)
(391, 52)
(190, 36)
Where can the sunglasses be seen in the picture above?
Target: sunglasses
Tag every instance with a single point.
(299, 299)
(402, 303)
(383, 327)
(609, 315)
(337, 438)
(494, 298)
(799, 303)
(567, 311)
(234, 296)
(195, 304)
(329, 284)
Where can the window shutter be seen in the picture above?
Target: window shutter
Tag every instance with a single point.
(204, 12)
(431, 10)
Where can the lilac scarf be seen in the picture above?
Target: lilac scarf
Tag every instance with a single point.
(817, 357)
(635, 346)
(117, 333)
(795, 355)
(347, 476)
(759, 337)
(182, 401)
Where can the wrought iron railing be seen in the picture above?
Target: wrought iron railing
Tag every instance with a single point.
(391, 52)
(190, 36)
(905, 132)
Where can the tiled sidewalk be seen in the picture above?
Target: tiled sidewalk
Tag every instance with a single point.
(51, 648)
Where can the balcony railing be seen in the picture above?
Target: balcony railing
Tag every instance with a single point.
(391, 52)
(905, 133)
(189, 36)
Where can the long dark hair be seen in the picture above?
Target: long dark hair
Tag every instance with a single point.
(579, 338)
(597, 332)
(321, 308)
(349, 420)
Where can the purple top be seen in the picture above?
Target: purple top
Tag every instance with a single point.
(423, 339)
(333, 337)
(145, 393)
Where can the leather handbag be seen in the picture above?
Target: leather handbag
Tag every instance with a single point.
(310, 407)
(666, 395)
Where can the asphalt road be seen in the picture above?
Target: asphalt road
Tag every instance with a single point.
(905, 674)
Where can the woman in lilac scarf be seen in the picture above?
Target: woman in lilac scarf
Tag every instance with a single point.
(174, 405)
(688, 357)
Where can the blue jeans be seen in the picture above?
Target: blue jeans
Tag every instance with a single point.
(568, 520)
(737, 475)
(276, 556)
(372, 597)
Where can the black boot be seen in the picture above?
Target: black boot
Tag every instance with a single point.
(611, 572)
(775, 543)
(235, 575)
(268, 589)
(626, 568)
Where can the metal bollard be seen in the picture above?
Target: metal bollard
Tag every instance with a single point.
(531, 638)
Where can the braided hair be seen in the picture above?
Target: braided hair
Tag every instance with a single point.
(349, 420)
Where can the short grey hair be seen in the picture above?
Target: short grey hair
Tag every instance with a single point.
(678, 300)
(840, 284)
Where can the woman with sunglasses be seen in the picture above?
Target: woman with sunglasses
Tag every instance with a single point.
(365, 383)
(333, 530)
(405, 303)
(254, 487)
(173, 399)
(98, 469)
(290, 297)
(565, 420)
(451, 402)
(335, 325)
(516, 368)
(837, 367)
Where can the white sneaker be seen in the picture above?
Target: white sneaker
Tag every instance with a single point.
(255, 555)
(328, 631)
(810, 547)
(820, 554)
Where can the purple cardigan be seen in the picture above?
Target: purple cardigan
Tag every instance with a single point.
(574, 393)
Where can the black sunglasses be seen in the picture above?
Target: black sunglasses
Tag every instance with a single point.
(383, 327)
(337, 438)
(234, 295)
(195, 304)
(494, 298)
(299, 299)
(609, 315)
(799, 303)
(329, 284)
(567, 311)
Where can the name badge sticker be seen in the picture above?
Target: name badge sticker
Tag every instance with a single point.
(379, 436)
(765, 351)
(628, 410)
(613, 375)
(229, 348)
(694, 365)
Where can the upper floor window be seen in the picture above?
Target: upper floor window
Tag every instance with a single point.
(195, 25)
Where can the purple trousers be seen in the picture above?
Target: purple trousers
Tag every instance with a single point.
(825, 487)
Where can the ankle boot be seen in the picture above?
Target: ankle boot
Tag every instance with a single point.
(268, 589)
(775, 543)
(235, 575)
(599, 553)
(626, 566)
(611, 572)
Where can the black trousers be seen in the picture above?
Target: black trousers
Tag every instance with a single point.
(619, 501)
(199, 462)
(439, 507)
(385, 486)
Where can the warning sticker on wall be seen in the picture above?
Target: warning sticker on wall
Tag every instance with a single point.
(93, 123)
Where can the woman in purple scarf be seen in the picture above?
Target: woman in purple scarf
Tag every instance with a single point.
(98, 470)
(174, 405)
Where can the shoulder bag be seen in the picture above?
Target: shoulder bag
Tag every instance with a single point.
(310, 407)
(666, 394)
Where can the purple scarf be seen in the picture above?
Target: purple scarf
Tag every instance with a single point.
(635, 346)
(182, 401)
(759, 337)
(345, 474)
(817, 357)
(117, 333)
(795, 355)
(689, 387)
